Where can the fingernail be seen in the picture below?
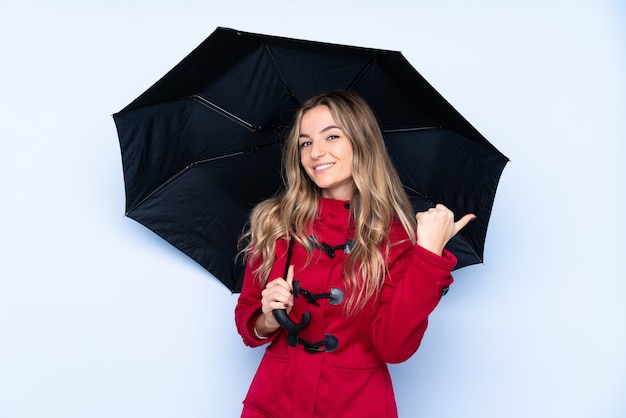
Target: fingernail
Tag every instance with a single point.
(286, 305)
(474, 218)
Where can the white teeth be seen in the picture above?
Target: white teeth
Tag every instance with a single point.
(323, 166)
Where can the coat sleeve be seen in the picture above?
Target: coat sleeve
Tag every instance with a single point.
(416, 281)
(248, 309)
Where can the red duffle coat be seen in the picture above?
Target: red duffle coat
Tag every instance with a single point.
(353, 380)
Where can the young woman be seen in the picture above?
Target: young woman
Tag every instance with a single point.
(366, 269)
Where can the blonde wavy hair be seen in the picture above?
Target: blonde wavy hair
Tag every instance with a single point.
(378, 199)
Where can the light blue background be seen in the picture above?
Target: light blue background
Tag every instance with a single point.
(101, 318)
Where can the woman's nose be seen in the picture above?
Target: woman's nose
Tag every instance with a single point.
(317, 149)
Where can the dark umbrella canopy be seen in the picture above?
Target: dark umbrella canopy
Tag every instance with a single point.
(202, 146)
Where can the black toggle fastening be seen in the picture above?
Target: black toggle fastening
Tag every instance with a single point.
(328, 344)
(330, 249)
(310, 297)
(335, 295)
(348, 246)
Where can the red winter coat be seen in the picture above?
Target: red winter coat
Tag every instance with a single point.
(353, 379)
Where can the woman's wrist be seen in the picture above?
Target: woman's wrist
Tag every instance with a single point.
(259, 336)
(262, 330)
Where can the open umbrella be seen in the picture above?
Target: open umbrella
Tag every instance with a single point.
(202, 146)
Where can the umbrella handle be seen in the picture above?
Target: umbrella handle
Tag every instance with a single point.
(281, 314)
(283, 319)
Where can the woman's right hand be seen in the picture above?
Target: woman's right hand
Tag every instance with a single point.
(278, 294)
(436, 226)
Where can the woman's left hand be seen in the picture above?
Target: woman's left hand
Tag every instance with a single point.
(436, 226)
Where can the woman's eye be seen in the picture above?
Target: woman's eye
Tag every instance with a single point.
(332, 137)
(305, 144)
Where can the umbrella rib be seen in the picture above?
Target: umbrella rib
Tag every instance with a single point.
(290, 92)
(423, 128)
(199, 162)
(226, 113)
(362, 72)
(161, 186)
(175, 176)
(421, 195)
(234, 154)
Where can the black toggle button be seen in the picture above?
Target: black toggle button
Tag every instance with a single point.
(330, 343)
(336, 296)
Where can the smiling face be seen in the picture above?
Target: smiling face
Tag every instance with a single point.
(326, 153)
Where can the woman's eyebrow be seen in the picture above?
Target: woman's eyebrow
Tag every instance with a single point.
(328, 128)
